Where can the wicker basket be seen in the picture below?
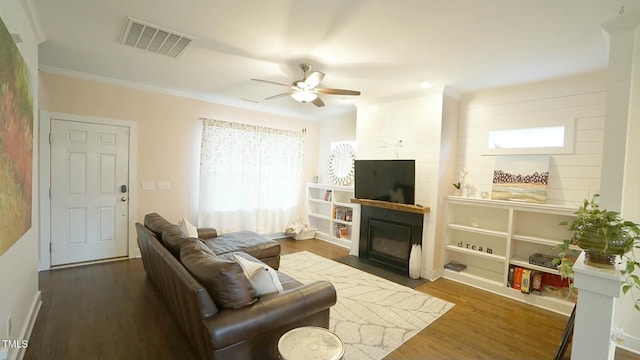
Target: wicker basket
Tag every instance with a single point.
(306, 234)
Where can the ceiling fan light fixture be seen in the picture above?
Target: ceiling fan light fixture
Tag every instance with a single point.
(304, 96)
(306, 90)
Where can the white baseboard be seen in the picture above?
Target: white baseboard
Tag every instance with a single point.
(630, 343)
(89, 263)
(335, 241)
(276, 235)
(27, 327)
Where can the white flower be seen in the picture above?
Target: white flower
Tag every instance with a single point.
(463, 174)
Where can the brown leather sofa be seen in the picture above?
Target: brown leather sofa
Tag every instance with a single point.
(216, 331)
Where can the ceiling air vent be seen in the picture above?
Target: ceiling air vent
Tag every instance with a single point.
(154, 38)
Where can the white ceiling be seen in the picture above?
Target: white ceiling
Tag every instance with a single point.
(384, 48)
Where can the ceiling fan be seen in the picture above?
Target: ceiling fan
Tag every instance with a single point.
(306, 90)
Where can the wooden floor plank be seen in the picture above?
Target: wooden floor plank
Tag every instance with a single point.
(111, 311)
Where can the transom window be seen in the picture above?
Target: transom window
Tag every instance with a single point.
(555, 139)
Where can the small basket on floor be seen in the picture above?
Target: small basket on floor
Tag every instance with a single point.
(300, 229)
(305, 234)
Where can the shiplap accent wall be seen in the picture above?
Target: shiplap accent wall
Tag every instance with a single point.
(572, 177)
(333, 129)
(418, 123)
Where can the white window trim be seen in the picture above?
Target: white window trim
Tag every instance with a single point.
(569, 139)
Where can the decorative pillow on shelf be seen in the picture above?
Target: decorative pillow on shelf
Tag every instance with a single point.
(263, 278)
(188, 228)
(224, 279)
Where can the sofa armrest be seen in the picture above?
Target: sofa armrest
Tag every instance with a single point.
(207, 233)
(232, 326)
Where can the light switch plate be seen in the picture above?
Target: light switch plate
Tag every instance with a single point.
(164, 185)
(148, 185)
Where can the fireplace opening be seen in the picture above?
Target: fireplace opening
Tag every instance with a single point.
(386, 237)
(389, 241)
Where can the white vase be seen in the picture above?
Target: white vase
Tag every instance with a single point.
(415, 261)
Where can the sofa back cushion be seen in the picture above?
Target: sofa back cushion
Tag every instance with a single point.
(173, 237)
(224, 280)
(155, 223)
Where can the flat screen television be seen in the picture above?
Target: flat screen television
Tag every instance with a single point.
(386, 180)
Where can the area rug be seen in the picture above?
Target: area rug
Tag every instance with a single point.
(372, 316)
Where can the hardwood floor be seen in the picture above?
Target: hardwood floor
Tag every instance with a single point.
(111, 311)
(103, 311)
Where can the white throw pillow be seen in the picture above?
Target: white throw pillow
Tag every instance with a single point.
(262, 276)
(188, 228)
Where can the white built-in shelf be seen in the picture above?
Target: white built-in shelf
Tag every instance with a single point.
(319, 216)
(320, 201)
(536, 240)
(475, 276)
(516, 229)
(324, 203)
(478, 230)
(349, 205)
(476, 253)
(522, 262)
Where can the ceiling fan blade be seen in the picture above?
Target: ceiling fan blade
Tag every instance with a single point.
(271, 82)
(337, 91)
(279, 95)
(318, 102)
(313, 79)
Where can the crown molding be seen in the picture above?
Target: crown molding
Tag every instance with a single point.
(31, 12)
(123, 83)
(452, 93)
(628, 22)
(239, 103)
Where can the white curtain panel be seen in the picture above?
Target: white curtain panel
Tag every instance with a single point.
(249, 176)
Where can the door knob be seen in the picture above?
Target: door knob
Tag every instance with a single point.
(124, 198)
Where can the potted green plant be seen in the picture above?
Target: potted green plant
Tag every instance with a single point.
(604, 236)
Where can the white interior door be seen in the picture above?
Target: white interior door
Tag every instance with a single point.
(89, 191)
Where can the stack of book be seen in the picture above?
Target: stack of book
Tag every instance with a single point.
(535, 282)
(340, 231)
(343, 214)
(455, 266)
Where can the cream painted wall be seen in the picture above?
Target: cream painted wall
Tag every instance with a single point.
(572, 177)
(19, 297)
(169, 133)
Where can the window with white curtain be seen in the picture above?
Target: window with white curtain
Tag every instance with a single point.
(249, 176)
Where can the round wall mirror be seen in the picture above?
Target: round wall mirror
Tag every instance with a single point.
(341, 164)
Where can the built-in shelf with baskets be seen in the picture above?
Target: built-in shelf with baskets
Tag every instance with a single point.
(329, 210)
(493, 237)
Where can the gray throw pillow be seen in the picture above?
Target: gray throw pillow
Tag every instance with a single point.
(224, 280)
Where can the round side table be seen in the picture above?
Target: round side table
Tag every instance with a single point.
(310, 343)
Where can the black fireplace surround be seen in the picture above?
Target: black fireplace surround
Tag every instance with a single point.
(386, 236)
